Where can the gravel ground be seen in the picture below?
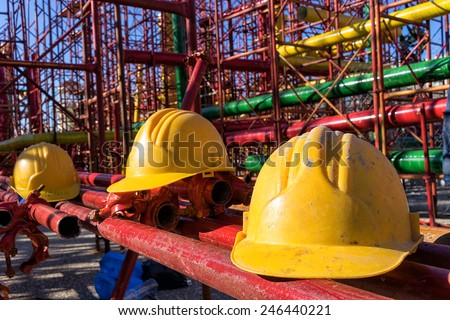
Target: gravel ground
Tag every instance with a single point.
(69, 272)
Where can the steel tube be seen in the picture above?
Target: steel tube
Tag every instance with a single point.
(82, 213)
(7, 196)
(179, 8)
(6, 218)
(103, 180)
(408, 281)
(193, 88)
(93, 199)
(177, 59)
(396, 116)
(428, 71)
(68, 137)
(47, 65)
(63, 224)
(211, 265)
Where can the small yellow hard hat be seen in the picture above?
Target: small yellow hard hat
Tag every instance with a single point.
(326, 205)
(172, 145)
(46, 164)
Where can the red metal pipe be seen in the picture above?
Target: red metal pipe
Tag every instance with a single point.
(6, 219)
(4, 179)
(93, 199)
(191, 96)
(82, 213)
(426, 163)
(103, 180)
(5, 108)
(63, 224)
(179, 8)
(178, 59)
(7, 196)
(396, 116)
(154, 58)
(211, 265)
(408, 281)
(47, 65)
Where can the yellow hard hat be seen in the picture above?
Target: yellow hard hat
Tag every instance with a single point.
(46, 164)
(172, 145)
(326, 205)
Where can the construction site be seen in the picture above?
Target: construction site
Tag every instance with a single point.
(267, 149)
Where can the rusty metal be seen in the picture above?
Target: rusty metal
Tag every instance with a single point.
(428, 174)
(211, 265)
(8, 196)
(93, 199)
(46, 65)
(396, 116)
(179, 8)
(82, 213)
(191, 100)
(64, 225)
(8, 217)
(99, 179)
(126, 138)
(409, 281)
(207, 195)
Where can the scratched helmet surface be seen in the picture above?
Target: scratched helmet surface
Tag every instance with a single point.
(47, 164)
(173, 144)
(326, 205)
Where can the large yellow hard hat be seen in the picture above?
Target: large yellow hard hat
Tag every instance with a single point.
(46, 164)
(172, 145)
(326, 205)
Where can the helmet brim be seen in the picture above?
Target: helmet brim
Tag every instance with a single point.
(316, 261)
(140, 183)
(52, 196)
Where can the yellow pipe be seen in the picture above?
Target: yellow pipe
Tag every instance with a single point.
(299, 61)
(421, 12)
(308, 14)
(140, 86)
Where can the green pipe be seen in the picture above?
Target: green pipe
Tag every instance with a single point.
(179, 46)
(254, 163)
(70, 137)
(410, 161)
(428, 71)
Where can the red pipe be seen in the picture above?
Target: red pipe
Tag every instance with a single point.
(47, 65)
(396, 116)
(93, 199)
(4, 108)
(154, 58)
(82, 213)
(191, 96)
(99, 179)
(211, 265)
(179, 8)
(178, 59)
(63, 224)
(4, 179)
(408, 281)
(8, 196)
